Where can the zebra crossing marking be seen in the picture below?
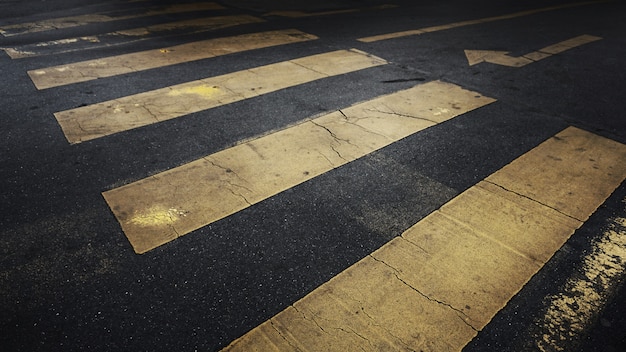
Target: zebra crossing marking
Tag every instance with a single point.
(396, 265)
(435, 286)
(102, 119)
(81, 20)
(144, 60)
(127, 36)
(163, 207)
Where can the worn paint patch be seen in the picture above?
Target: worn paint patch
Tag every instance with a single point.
(586, 294)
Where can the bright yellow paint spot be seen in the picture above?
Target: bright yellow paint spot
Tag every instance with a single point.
(204, 90)
(156, 216)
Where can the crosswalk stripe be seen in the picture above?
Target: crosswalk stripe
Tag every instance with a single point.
(98, 120)
(165, 206)
(435, 286)
(116, 65)
(81, 20)
(443, 27)
(127, 36)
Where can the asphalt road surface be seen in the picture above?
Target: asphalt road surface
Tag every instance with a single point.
(345, 175)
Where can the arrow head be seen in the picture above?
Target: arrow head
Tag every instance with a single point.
(477, 56)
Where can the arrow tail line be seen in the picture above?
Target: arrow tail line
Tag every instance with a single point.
(569, 44)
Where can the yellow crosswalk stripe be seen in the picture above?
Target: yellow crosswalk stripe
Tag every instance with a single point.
(165, 206)
(116, 65)
(81, 20)
(443, 27)
(98, 120)
(127, 36)
(435, 286)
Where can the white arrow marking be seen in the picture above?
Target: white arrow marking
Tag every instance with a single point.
(502, 58)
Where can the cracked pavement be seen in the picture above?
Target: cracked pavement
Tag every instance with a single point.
(245, 195)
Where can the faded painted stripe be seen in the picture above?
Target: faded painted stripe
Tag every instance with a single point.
(587, 293)
(144, 60)
(472, 22)
(197, 25)
(81, 20)
(443, 280)
(165, 206)
(98, 120)
(299, 14)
